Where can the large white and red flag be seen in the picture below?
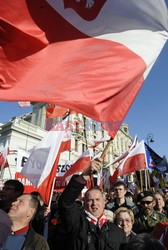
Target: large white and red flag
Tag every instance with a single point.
(4, 151)
(81, 164)
(88, 56)
(135, 160)
(40, 168)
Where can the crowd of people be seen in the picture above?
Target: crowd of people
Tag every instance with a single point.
(118, 220)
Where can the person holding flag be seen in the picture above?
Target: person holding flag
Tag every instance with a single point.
(88, 228)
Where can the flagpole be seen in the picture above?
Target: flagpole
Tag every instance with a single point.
(107, 147)
(51, 194)
(141, 180)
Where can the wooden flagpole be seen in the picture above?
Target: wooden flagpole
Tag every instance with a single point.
(107, 147)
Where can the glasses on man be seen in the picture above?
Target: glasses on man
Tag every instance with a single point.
(146, 202)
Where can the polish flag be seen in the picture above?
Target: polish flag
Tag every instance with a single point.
(96, 142)
(88, 56)
(121, 157)
(3, 158)
(79, 166)
(135, 160)
(40, 168)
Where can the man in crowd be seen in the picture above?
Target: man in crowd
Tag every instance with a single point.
(5, 226)
(88, 228)
(120, 200)
(11, 190)
(22, 235)
(147, 218)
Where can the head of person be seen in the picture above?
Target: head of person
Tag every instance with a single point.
(144, 242)
(94, 202)
(129, 196)
(5, 226)
(24, 209)
(11, 190)
(120, 189)
(38, 196)
(159, 199)
(124, 218)
(147, 202)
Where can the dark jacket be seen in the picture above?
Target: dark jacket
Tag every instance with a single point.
(113, 206)
(83, 235)
(34, 241)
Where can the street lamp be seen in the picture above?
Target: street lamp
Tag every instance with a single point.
(149, 138)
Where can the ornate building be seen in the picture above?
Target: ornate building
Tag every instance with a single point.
(26, 131)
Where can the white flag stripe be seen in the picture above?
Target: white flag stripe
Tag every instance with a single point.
(41, 160)
(143, 33)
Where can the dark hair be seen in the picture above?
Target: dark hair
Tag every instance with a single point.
(120, 183)
(18, 186)
(144, 241)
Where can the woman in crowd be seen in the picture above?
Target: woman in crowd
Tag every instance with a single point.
(124, 218)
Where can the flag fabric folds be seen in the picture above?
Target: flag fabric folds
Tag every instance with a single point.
(4, 151)
(53, 111)
(89, 58)
(156, 162)
(40, 168)
(80, 165)
(135, 160)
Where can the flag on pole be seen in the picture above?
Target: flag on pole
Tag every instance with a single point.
(135, 160)
(156, 162)
(40, 168)
(4, 151)
(105, 48)
(96, 142)
(80, 165)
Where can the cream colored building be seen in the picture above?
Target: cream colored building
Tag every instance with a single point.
(26, 131)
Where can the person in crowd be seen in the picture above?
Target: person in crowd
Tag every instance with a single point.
(11, 190)
(88, 228)
(110, 195)
(160, 233)
(147, 218)
(5, 226)
(124, 218)
(160, 203)
(22, 235)
(144, 241)
(120, 200)
(41, 220)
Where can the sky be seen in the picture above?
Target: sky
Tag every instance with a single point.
(147, 115)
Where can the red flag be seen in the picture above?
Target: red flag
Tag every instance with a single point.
(40, 168)
(135, 160)
(88, 56)
(3, 158)
(53, 111)
(80, 165)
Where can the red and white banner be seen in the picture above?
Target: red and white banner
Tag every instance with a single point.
(40, 168)
(96, 142)
(79, 166)
(4, 151)
(135, 160)
(22, 156)
(105, 48)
